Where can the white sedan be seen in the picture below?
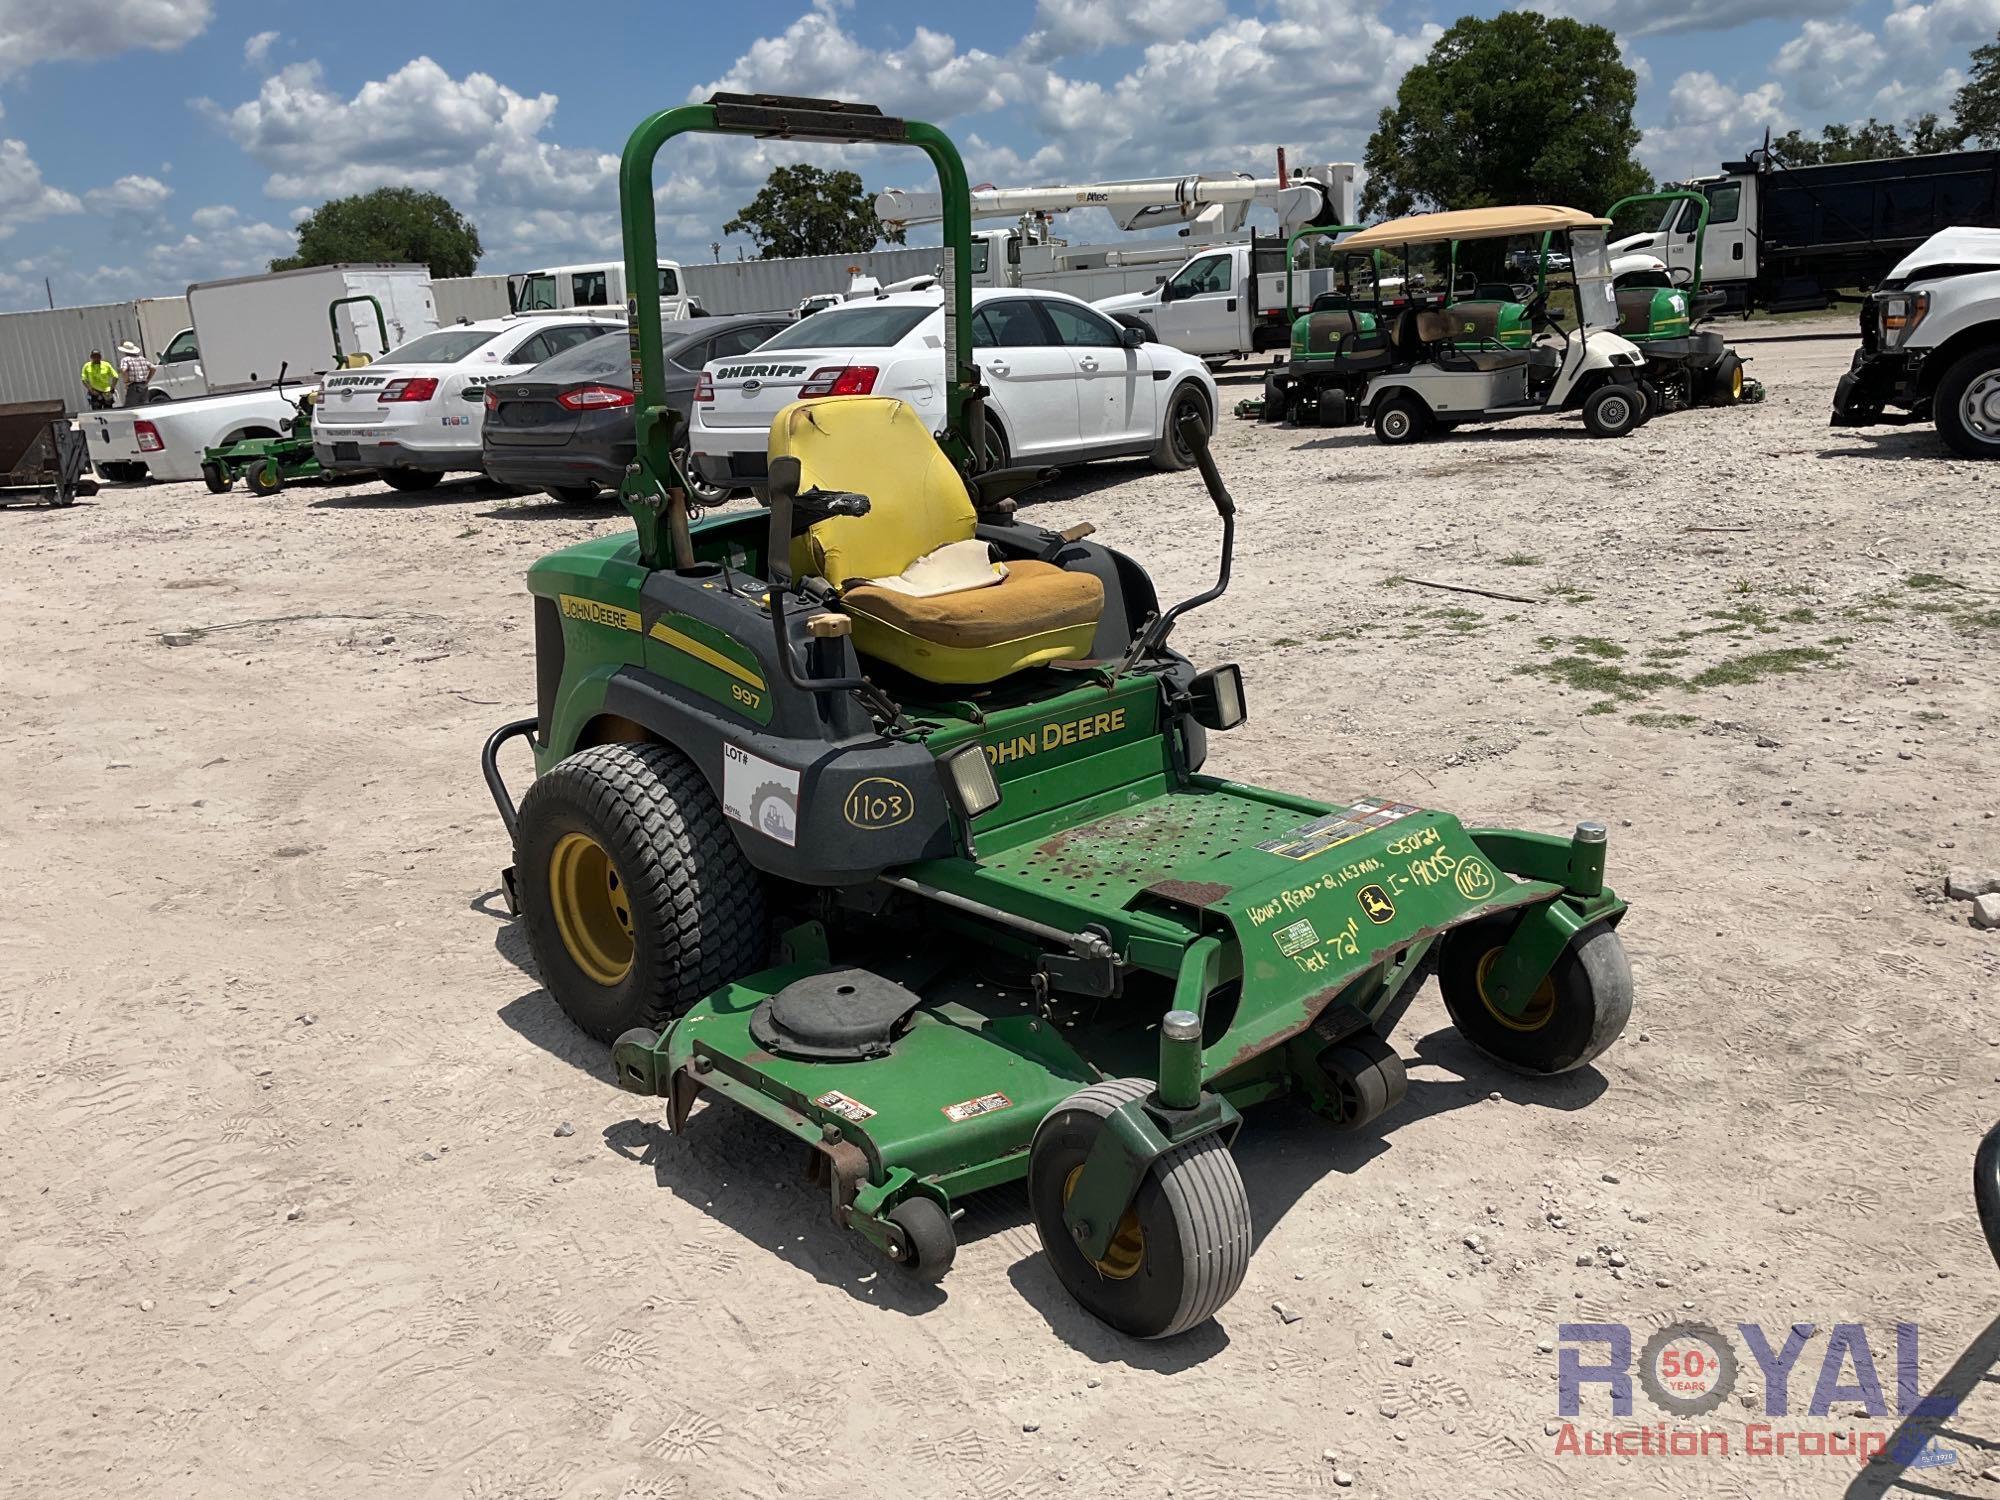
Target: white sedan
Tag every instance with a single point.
(1068, 384)
(419, 412)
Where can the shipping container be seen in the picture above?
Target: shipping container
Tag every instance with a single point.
(743, 286)
(467, 299)
(42, 353)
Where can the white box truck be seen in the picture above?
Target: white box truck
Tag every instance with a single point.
(248, 329)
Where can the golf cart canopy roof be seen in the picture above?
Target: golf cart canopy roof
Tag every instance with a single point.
(1473, 224)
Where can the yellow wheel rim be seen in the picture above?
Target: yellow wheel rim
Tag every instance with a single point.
(592, 908)
(1541, 1004)
(1736, 384)
(1127, 1250)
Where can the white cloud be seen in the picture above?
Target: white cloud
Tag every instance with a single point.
(927, 78)
(1066, 27)
(257, 48)
(23, 195)
(134, 196)
(1653, 18)
(36, 31)
(1708, 121)
(214, 216)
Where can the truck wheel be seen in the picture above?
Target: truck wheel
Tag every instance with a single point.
(263, 478)
(637, 899)
(409, 481)
(1399, 420)
(1172, 451)
(1725, 382)
(1577, 1011)
(216, 478)
(1966, 404)
(1181, 1249)
(574, 494)
(1613, 410)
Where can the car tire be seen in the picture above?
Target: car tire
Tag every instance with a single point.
(410, 481)
(700, 490)
(1965, 393)
(998, 450)
(573, 494)
(1172, 452)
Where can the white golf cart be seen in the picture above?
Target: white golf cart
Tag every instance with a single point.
(1454, 363)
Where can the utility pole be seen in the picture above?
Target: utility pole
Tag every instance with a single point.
(51, 291)
(715, 250)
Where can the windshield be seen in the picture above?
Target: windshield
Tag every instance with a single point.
(1590, 263)
(876, 326)
(445, 347)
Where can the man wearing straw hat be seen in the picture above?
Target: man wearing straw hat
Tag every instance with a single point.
(137, 372)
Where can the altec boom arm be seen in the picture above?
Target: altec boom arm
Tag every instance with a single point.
(1216, 203)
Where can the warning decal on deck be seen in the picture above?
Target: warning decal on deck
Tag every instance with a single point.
(971, 1109)
(848, 1109)
(1336, 828)
(1296, 938)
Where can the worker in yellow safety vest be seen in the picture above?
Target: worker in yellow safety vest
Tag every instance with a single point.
(100, 379)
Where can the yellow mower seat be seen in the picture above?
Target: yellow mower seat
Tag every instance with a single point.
(879, 447)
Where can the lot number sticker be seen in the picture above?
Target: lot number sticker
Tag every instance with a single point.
(760, 793)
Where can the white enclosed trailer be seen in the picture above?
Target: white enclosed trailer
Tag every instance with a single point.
(249, 327)
(42, 352)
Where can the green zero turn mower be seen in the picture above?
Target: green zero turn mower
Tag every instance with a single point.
(880, 814)
(1661, 307)
(267, 465)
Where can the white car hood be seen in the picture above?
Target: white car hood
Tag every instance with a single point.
(1950, 247)
(1128, 302)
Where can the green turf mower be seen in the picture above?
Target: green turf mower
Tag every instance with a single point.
(267, 465)
(879, 813)
(1661, 305)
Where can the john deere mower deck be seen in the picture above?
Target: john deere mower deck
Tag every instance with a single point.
(880, 814)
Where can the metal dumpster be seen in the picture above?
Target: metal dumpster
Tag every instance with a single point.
(42, 457)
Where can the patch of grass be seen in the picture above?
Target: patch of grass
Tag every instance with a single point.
(1742, 670)
(1653, 720)
(1287, 640)
(1929, 581)
(1799, 616)
(1929, 716)
(1520, 560)
(1393, 581)
(1973, 620)
(1934, 607)
(1588, 675)
(1596, 645)
(1837, 640)
(1742, 614)
(1569, 593)
(1661, 654)
(1603, 706)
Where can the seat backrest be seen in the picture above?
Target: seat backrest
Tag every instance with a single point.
(1435, 327)
(879, 447)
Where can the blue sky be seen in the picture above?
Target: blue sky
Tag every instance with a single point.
(148, 143)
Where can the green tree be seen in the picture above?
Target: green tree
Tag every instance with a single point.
(1873, 141)
(802, 210)
(396, 224)
(1520, 108)
(1976, 107)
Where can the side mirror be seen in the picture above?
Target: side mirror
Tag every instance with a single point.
(1218, 698)
(473, 393)
(1168, 291)
(1132, 338)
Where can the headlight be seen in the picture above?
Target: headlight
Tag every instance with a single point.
(1901, 313)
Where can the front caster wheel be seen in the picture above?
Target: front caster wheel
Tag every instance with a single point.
(1576, 1012)
(1181, 1249)
(929, 1245)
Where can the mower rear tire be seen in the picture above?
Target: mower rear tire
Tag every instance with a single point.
(927, 1234)
(1725, 382)
(409, 481)
(1575, 1013)
(263, 478)
(216, 478)
(1399, 420)
(1181, 1249)
(1613, 410)
(1365, 1080)
(637, 899)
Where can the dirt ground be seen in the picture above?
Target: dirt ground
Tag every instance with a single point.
(286, 1202)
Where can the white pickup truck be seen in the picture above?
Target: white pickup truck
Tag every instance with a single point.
(1930, 344)
(167, 440)
(1222, 304)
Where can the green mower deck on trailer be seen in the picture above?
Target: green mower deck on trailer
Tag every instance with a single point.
(953, 927)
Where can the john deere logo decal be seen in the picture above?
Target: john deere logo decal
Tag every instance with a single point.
(1376, 903)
